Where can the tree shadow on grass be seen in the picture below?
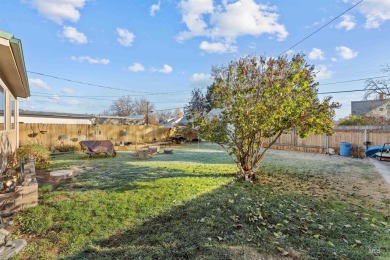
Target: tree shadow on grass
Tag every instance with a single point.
(245, 221)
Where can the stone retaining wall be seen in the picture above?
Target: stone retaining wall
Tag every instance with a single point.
(25, 195)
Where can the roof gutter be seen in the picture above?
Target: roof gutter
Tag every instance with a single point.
(17, 52)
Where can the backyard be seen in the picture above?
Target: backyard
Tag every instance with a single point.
(189, 205)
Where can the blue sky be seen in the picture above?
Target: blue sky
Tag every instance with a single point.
(148, 47)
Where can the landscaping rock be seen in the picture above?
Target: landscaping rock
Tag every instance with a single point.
(4, 235)
(61, 174)
(12, 248)
(168, 150)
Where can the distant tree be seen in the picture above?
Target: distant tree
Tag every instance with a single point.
(198, 103)
(259, 99)
(123, 106)
(143, 106)
(163, 116)
(126, 106)
(375, 88)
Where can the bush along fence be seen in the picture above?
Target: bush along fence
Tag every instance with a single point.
(360, 137)
(56, 135)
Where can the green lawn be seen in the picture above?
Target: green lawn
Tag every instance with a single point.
(188, 205)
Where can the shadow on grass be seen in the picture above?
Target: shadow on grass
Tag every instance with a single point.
(184, 232)
(246, 221)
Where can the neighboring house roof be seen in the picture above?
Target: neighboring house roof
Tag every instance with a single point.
(215, 112)
(136, 117)
(52, 114)
(12, 66)
(360, 108)
(178, 121)
(92, 118)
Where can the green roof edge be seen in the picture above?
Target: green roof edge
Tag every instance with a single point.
(14, 41)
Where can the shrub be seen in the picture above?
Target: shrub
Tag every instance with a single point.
(67, 148)
(39, 152)
(364, 120)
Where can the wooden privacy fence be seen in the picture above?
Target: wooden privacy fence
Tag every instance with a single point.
(71, 134)
(49, 135)
(357, 135)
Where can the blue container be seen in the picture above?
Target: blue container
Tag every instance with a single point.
(345, 149)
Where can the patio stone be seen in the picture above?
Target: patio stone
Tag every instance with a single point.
(61, 174)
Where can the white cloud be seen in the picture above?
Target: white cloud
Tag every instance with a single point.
(192, 15)
(67, 91)
(74, 36)
(166, 69)
(38, 83)
(323, 73)
(136, 67)
(72, 102)
(316, 54)
(376, 12)
(54, 98)
(201, 79)
(290, 52)
(229, 20)
(125, 37)
(348, 22)
(333, 59)
(346, 53)
(58, 10)
(155, 8)
(217, 47)
(90, 60)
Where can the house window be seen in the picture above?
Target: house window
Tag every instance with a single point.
(2, 109)
(13, 116)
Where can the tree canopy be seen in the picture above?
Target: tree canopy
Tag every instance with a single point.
(254, 100)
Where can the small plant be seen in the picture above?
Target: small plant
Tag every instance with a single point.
(39, 152)
(67, 148)
(33, 225)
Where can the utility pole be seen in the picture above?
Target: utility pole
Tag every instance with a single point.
(147, 113)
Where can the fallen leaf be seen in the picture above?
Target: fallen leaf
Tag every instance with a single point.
(330, 243)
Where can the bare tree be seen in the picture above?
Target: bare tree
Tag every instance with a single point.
(124, 106)
(143, 106)
(163, 116)
(378, 88)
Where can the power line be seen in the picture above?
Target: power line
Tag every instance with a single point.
(94, 98)
(106, 87)
(352, 80)
(353, 90)
(322, 27)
